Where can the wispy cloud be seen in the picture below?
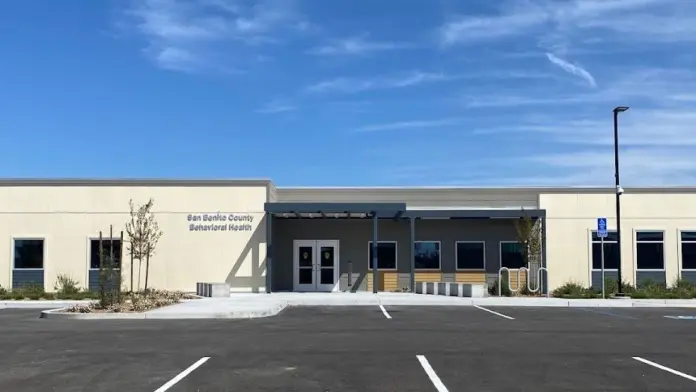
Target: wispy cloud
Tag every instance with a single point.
(419, 124)
(356, 85)
(557, 25)
(202, 35)
(276, 106)
(358, 45)
(572, 69)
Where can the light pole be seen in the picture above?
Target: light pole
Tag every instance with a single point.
(619, 190)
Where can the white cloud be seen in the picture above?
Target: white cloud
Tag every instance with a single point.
(559, 25)
(418, 124)
(638, 167)
(196, 35)
(572, 69)
(276, 106)
(355, 85)
(353, 46)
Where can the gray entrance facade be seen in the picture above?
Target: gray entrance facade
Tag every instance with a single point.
(331, 247)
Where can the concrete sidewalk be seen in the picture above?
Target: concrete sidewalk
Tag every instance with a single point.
(265, 305)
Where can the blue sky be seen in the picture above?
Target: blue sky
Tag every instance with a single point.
(343, 93)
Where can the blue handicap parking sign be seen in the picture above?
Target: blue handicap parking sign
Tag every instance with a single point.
(602, 227)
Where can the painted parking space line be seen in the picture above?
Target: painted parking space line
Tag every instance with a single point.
(606, 313)
(493, 312)
(439, 385)
(665, 368)
(384, 311)
(181, 375)
(681, 317)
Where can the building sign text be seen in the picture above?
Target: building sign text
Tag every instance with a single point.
(220, 222)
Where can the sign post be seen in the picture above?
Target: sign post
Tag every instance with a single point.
(602, 234)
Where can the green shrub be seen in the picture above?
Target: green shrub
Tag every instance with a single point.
(66, 285)
(680, 289)
(574, 290)
(505, 288)
(611, 286)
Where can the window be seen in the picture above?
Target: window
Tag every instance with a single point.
(426, 254)
(650, 253)
(386, 255)
(470, 255)
(28, 254)
(512, 255)
(611, 251)
(688, 250)
(106, 244)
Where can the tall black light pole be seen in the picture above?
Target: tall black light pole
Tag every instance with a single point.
(619, 190)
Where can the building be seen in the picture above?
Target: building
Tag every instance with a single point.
(259, 237)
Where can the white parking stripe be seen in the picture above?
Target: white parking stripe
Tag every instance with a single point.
(385, 312)
(431, 374)
(665, 368)
(495, 313)
(181, 375)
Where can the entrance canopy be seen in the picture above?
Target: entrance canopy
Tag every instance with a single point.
(391, 210)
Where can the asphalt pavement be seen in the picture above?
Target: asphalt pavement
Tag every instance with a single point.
(362, 348)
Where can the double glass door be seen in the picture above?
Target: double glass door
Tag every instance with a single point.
(315, 265)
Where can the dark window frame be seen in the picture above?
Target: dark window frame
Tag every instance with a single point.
(639, 242)
(456, 255)
(686, 241)
(439, 255)
(106, 248)
(595, 240)
(500, 255)
(396, 255)
(14, 253)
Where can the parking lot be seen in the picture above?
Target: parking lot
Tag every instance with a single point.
(357, 349)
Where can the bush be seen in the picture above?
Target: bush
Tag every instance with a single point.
(504, 289)
(66, 285)
(574, 290)
(680, 289)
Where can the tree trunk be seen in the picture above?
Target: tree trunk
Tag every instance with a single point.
(131, 273)
(140, 267)
(147, 270)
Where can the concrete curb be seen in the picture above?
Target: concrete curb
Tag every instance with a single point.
(274, 307)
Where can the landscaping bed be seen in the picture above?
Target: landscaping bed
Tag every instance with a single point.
(37, 293)
(132, 302)
(681, 289)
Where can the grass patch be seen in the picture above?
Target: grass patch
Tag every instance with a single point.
(681, 289)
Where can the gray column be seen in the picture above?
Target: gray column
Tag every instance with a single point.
(412, 253)
(269, 251)
(375, 239)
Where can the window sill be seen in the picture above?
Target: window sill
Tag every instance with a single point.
(28, 269)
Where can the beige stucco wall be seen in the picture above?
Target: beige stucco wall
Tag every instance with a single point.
(66, 216)
(572, 216)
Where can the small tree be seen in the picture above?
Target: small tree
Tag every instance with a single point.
(109, 272)
(144, 234)
(529, 235)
